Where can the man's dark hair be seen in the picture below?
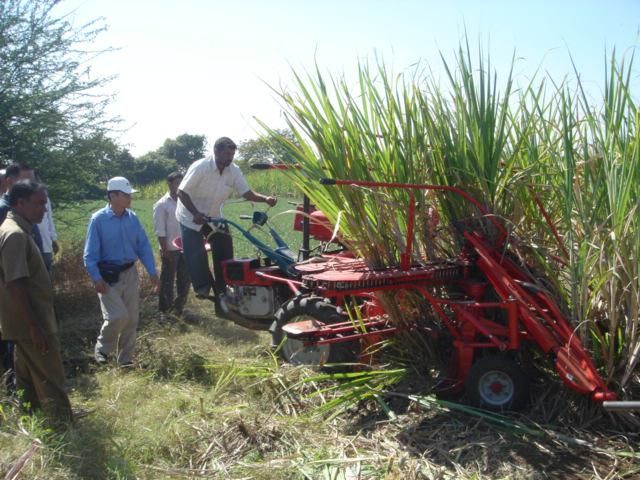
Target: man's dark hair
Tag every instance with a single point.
(109, 192)
(222, 143)
(23, 190)
(173, 175)
(13, 170)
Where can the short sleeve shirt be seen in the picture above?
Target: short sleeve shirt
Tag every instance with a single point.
(164, 220)
(208, 189)
(20, 258)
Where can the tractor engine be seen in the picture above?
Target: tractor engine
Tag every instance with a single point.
(248, 294)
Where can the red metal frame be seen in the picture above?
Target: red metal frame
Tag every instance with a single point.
(529, 316)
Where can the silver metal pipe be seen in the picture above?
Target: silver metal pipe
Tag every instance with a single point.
(622, 405)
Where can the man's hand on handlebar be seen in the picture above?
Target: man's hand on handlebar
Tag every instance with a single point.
(199, 218)
(271, 201)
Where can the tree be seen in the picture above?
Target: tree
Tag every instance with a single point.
(184, 149)
(151, 167)
(263, 150)
(81, 170)
(47, 95)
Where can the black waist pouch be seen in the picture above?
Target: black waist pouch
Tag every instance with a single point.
(110, 272)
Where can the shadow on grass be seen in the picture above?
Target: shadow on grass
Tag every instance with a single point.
(90, 450)
(454, 440)
(201, 316)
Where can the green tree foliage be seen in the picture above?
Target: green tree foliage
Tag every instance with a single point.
(265, 150)
(184, 149)
(82, 168)
(47, 95)
(151, 167)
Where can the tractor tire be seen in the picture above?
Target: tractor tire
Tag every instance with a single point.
(497, 383)
(294, 351)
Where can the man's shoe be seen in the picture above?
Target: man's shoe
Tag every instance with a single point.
(221, 307)
(101, 358)
(205, 297)
(221, 303)
(203, 294)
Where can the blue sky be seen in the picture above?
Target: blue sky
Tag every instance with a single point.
(203, 66)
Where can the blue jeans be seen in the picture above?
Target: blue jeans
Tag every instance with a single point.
(195, 258)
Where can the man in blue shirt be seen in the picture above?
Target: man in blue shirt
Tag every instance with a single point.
(115, 240)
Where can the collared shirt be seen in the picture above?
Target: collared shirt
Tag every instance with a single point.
(116, 239)
(164, 220)
(21, 259)
(208, 189)
(48, 230)
(5, 209)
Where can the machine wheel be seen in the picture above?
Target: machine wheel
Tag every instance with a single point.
(294, 351)
(496, 382)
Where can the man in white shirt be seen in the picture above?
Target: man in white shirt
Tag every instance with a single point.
(174, 270)
(208, 183)
(49, 237)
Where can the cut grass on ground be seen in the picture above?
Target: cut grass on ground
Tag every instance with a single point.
(207, 400)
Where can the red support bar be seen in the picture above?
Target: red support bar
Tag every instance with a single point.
(549, 222)
(275, 166)
(416, 186)
(355, 336)
(461, 343)
(290, 283)
(338, 328)
(496, 342)
(405, 261)
(443, 316)
(512, 321)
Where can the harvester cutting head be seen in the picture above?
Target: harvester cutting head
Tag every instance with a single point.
(533, 314)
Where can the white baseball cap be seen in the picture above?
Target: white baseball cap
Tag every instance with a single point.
(120, 184)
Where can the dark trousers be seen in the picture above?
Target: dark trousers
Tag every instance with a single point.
(40, 378)
(174, 272)
(6, 355)
(195, 257)
(221, 245)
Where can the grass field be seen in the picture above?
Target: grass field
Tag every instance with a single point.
(207, 399)
(72, 220)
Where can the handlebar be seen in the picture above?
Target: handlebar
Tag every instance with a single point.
(258, 218)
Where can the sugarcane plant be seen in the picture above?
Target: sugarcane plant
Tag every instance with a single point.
(560, 173)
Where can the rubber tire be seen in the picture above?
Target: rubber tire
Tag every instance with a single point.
(320, 309)
(510, 370)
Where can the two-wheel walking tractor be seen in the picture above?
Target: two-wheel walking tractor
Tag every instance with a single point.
(490, 303)
(487, 300)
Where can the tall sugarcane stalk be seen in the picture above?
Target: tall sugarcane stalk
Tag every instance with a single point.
(518, 151)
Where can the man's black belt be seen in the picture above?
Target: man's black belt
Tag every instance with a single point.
(110, 272)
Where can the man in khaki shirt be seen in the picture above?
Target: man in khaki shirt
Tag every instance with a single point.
(26, 305)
